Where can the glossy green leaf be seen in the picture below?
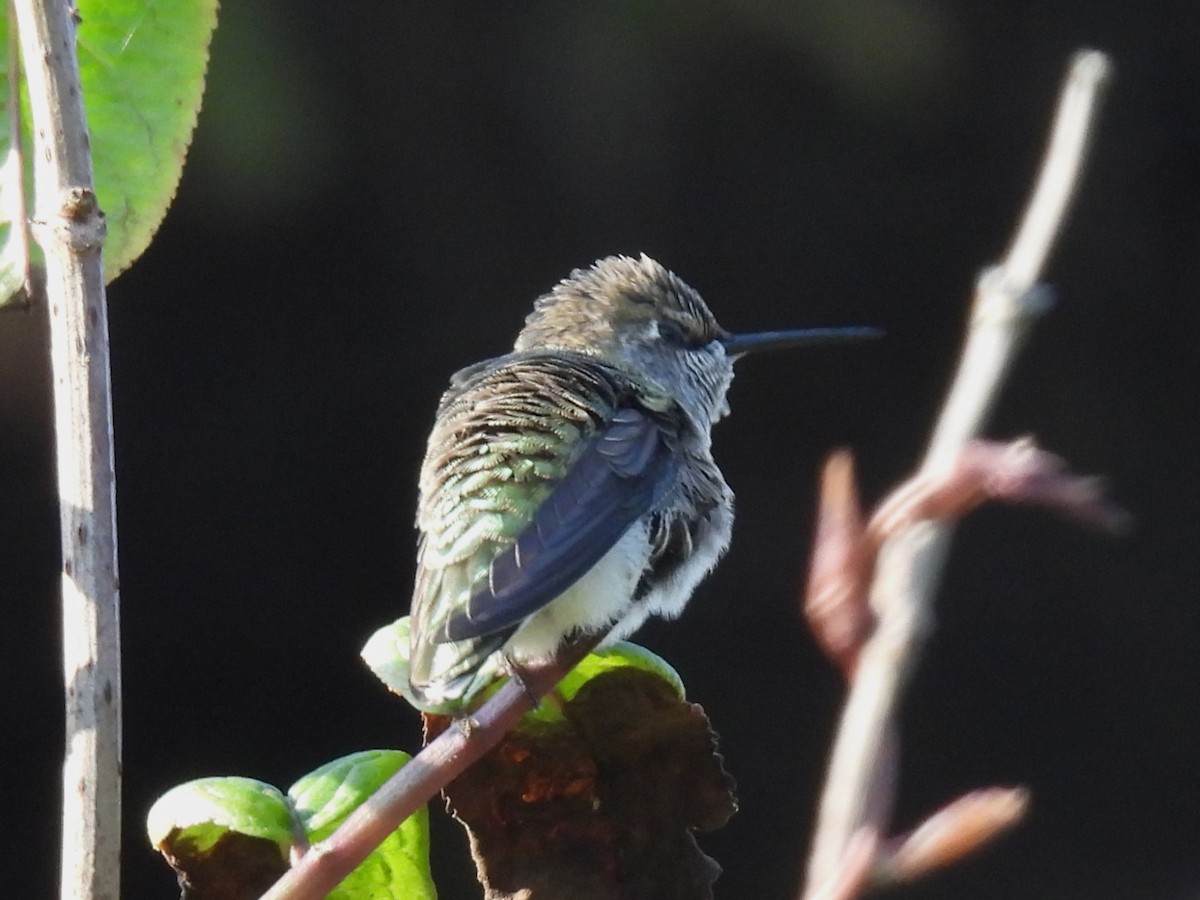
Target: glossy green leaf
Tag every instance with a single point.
(203, 810)
(399, 867)
(142, 64)
(621, 655)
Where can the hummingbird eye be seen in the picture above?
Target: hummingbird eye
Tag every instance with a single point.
(674, 333)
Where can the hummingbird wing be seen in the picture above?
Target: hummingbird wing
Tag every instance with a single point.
(536, 466)
(622, 472)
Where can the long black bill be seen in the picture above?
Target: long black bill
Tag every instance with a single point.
(741, 344)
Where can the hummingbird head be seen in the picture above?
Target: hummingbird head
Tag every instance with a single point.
(643, 319)
(638, 316)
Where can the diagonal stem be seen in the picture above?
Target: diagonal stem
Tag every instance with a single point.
(1007, 300)
(327, 863)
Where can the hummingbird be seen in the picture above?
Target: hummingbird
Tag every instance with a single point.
(569, 486)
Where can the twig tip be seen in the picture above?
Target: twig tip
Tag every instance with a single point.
(1092, 66)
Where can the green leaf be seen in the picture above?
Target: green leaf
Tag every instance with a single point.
(620, 655)
(386, 654)
(399, 867)
(204, 809)
(142, 65)
(217, 833)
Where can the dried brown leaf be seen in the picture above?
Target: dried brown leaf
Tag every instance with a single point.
(603, 804)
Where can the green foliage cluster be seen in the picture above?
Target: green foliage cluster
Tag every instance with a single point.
(192, 826)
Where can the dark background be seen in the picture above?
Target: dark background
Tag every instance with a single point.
(375, 195)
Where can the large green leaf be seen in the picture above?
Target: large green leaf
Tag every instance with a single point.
(142, 64)
(399, 867)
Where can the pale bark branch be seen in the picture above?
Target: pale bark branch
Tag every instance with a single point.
(69, 226)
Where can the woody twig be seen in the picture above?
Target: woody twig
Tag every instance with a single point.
(871, 588)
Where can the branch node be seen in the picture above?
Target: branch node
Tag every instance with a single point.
(1002, 299)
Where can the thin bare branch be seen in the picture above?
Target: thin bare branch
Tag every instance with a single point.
(1007, 296)
(70, 228)
(1047, 209)
(853, 873)
(908, 570)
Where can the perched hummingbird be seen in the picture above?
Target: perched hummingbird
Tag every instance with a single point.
(569, 486)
